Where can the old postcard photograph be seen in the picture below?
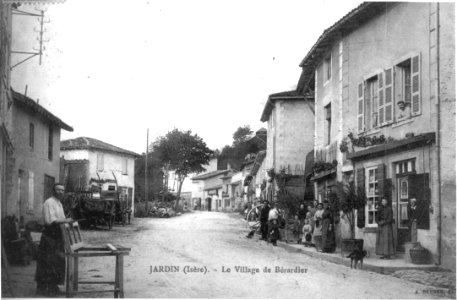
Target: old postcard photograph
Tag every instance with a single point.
(227, 149)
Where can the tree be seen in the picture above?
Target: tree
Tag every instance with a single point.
(184, 153)
(243, 144)
(241, 135)
(350, 198)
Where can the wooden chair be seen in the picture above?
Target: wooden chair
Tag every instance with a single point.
(75, 249)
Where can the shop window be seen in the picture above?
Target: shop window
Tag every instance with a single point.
(372, 193)
(404, 167)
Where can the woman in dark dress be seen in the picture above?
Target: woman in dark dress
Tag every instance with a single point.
(328, 236)
(302, 211)
(385, 236)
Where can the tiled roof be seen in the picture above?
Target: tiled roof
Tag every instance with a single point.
(210, 174)
(352, 20)
(93, 144)
(30, 104)
(269, 105)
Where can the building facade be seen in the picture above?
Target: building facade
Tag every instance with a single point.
(290, 137)
(88, 160)
(34, 166)
(384, 85)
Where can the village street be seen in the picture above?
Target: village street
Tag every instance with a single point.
(213, 241)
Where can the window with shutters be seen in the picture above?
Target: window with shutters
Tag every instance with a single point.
(407, 88)
(327, 68)
(368, 104)
(100, 161)
(328, 124)
(124, 166)
(372, 193)
(31, 136)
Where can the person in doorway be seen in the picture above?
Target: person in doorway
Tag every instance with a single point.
(328, 236)
(264, 212)
(412, 219)
(317, 234)
(274, 232)
(384, 236)
(50, 271)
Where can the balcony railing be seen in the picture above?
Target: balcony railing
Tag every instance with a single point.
(327, 153)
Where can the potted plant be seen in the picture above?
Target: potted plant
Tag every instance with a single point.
(350, 199)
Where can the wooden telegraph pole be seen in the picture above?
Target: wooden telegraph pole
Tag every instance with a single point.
(146, 189)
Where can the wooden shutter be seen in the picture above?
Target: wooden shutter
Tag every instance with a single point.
(415, 85)
(381, 98)
(360, 177)
(418, 187)
(381, 178)
(389, 95)
(360, 108)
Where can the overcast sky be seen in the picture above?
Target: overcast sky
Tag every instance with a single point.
(111, 69)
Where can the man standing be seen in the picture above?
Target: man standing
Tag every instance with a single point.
(51, 259)
(264, 220)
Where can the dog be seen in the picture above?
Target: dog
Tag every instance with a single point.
(356, 256)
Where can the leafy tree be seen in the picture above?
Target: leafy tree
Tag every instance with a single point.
(241, 135)
(243, 144)
(184, 153)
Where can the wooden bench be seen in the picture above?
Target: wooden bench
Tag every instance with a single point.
(75, 248)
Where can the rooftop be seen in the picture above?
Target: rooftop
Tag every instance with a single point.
(29, 104)
(352, 20)
(269, 105)
(210, 174)
(93, 144)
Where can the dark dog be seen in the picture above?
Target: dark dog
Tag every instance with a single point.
(356, 256)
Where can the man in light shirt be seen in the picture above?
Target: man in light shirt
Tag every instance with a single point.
(50, 270)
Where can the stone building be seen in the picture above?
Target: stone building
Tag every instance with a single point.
(384, 83)
(290, 137)
(34, 166)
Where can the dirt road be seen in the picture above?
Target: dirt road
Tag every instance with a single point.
(206, 255)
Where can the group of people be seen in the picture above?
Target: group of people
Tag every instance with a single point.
(269, 223)
(314, 226)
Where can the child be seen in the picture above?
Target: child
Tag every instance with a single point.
(296, 229)
(274, 232)
(307, 233)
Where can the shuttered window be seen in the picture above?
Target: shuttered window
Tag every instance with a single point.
(388, 93)
(360, 108)
(415, 86)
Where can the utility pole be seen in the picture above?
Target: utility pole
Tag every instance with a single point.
(146, 189)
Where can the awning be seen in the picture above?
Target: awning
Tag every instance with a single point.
(395, 146)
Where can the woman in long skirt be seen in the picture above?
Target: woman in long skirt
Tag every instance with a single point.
(328, 236)
(317, 234)
(385, 245)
